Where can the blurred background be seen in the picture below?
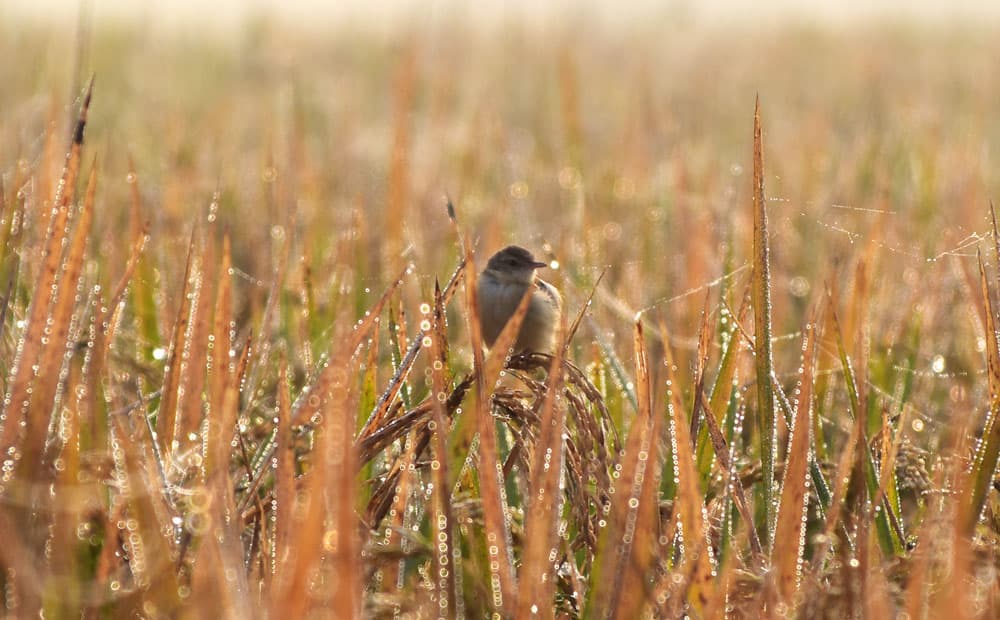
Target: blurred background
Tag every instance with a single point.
(311, 13)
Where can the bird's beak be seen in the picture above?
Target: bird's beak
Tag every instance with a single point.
(538, 265)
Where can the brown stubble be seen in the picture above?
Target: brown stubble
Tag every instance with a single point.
(324, 518)
(30, 345)
(621, 567)
(147, 505)
(786, 556)
(537, 579)
(51, 357)
(166, 417)
(697, 586)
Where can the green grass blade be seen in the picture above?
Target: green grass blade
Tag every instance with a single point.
(767, 427)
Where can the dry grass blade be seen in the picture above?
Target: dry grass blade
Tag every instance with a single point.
(196, 359)
(583, 310)
(536, 579)
(325, 529)
(842, 481)
(332, 476)
(739, 493)
(448, 559)
(218, 574)
(66, 546)
(789, 532)
(877, 602)
(615, 567)
(106, 321)
(15, 552)
(342, 541)
(724, 385)
(268, 322)
(284, 476)
(701, 362)
(501, 559)
(166, 417)
(929, 551)
(29, 347)
(305, 408)
(890, 453)
(689, 503)
(916, 587)
(54, 348)
(398, 380)
(886, 520)
(996, 239)
(10, 246)
(984, 464)
(152, 569)
(223, 371)
(404, 475)
(642, 527)
(761, 292)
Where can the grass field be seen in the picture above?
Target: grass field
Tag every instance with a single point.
(237, 360)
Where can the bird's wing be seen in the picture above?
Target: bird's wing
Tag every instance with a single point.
(551, 293)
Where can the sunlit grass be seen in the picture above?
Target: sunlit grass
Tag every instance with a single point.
(242, 369)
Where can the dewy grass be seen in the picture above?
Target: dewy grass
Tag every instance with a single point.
(270, 406)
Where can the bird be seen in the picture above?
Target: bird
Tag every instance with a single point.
(508, 275)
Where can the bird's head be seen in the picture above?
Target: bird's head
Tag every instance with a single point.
(514, 263)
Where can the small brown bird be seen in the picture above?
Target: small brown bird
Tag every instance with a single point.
(508, 275)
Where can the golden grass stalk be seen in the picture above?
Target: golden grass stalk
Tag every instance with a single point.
(54, 346)
(325, 519)
(619, 571)
(30, 346)
(166, 417)
(68, 512)
(697, 564)
(642, 526)
(195, 360)
(146, 506)
(220, 421)
(537, 577)
(789, 532)
(734, 483)
(397, 385)
(306, 408)
(95, 411)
